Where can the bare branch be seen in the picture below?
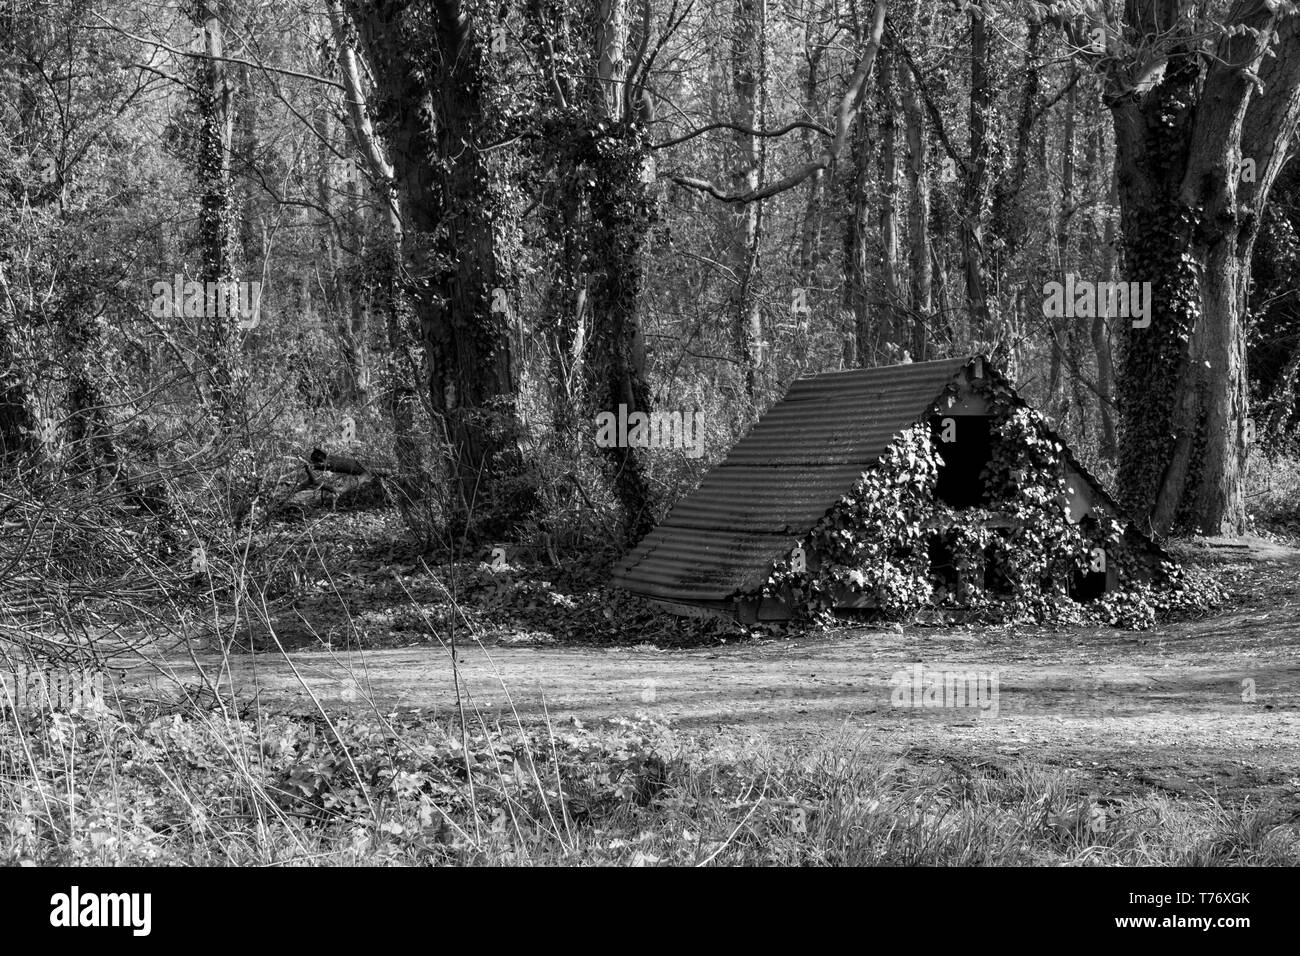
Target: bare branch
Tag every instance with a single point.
(747, 130)
(109, 25)
(844, 115)
(763, 192)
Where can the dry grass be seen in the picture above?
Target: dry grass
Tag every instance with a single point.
(215, 784)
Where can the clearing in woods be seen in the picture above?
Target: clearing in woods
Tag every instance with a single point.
(1208, 705)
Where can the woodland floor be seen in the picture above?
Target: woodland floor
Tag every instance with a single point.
(1135, 711)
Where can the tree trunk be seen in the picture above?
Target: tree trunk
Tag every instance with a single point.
(1062, 335)
(431, 112)
(972, 242)
(810, 233)
(600, 214)
(890, 312)
(919, 265)
(857, 218)
(401, 368)
(1189, 222)
(1008, 215)
(467, 343)
(1101, 325)
(215, 117)
(747, 63)
(622, 212)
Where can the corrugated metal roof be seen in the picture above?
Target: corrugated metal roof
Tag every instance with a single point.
(778, 480)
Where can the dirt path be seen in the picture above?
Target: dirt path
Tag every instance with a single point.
(1172, 708)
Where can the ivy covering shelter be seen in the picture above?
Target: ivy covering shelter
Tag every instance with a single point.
(928, 483)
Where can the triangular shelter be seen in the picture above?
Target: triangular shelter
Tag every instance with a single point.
(719, 543)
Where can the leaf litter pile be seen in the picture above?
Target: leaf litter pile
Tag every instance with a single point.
(357, 584)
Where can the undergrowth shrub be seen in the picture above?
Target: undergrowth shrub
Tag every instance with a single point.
(1273, 488)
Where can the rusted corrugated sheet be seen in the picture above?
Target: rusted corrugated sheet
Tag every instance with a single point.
(778, 480)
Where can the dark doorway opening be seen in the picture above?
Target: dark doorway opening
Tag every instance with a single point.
(1088, 585)
(965, 444)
